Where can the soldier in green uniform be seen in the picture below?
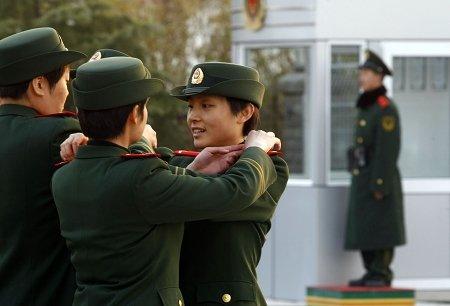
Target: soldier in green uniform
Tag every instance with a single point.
(71, 144)
(122, 214)
(219, 256)
(375, 222)
(35, 267)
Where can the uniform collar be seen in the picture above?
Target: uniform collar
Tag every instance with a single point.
(99, 149)
(17, 109)
(368, 98)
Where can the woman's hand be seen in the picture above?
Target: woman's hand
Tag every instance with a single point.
(70, 146)
(264, 140)
(150, 135)
(215, 160)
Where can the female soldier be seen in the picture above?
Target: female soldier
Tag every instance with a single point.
(219, 257)
(122, 214)
(35, 266)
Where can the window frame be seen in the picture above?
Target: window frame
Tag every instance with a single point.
(239, 54)
(362, 44)
(393, 49)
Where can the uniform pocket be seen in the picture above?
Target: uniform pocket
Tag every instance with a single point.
(226, 293)
(171, 296)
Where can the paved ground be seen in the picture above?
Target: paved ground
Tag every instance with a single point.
(423, 298)
(432, 292)
(288, 303)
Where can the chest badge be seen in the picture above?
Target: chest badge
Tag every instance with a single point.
(197, 76)
(388, 123)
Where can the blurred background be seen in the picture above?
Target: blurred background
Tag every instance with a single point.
(307, 53)
(168, 36)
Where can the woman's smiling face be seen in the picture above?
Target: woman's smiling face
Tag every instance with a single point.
(212, 123)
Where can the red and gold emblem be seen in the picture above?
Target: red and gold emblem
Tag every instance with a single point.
(197, 76)
(255, 13)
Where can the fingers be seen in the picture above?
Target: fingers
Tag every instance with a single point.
(217, 150)
(63, 153)
(150, 135)
(263, 140)
(230, 161)
(66, 152)
(226, 149)
(70, 146)
(78, 141)
(74, 146)
(232, 157)
(236, 154)
(237, 147)
(277, 145)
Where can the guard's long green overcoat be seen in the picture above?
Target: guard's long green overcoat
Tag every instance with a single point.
(35, 266)
(376, 224)
(123, 219)
(219, 256)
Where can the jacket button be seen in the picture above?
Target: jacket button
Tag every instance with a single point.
(180, 303)
(379, 182)
(360, 140)
(362, 122)
(355, 172)
(226, 298)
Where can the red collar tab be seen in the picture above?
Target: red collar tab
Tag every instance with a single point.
(275, 153)
(62, 114)
(185, 153)
(60, 164)
(140, 155)
(195, 153)
(383, 101)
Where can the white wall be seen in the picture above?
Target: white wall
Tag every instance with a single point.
(383, 19)
(285, 20)
(346, 19)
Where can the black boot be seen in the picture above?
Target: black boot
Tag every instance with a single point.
(377, 282)
(377, 264)
(360, 282)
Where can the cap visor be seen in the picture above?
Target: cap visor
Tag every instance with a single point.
(183, 93)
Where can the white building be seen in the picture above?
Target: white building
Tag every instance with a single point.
(328, 38)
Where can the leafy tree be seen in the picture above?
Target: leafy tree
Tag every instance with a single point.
(168, 35)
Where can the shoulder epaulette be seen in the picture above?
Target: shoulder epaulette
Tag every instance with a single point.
(140, 155)
(383, 101)
(275, 153)
(185, 153)
(62, 114)
(60, 164)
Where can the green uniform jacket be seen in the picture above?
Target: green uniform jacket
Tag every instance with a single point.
(219, 257)
(123, 219)
(376, 224)
(35, 266)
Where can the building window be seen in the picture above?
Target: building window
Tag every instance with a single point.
(417, 73)
(344, 92)
(424, 107)
(286, 74)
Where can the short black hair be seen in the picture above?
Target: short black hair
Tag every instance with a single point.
(237, 105)
(108, 123)
(16, 91)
